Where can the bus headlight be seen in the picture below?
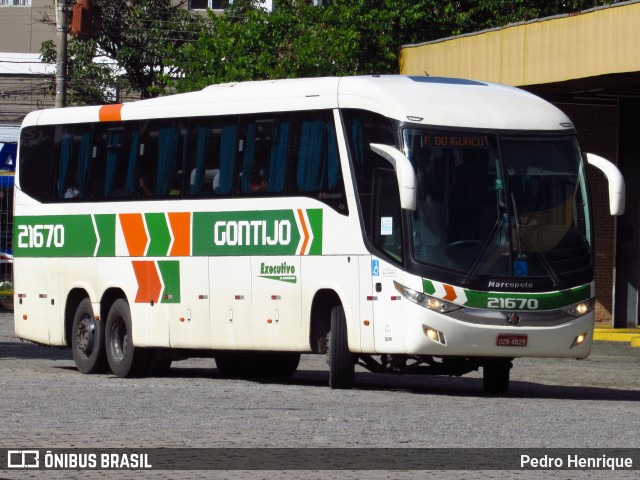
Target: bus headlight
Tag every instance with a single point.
(579, 339)
(433, 334)
(424, 300)
(580, 309)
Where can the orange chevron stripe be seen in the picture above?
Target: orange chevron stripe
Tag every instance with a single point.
(304, 231)
(110, 113)
(135, 234)
(149, 285)
(181, 228)
(451, 293)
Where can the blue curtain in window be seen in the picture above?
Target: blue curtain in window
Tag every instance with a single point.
(66, 147)
(131, 167)
(333, 160)
(202, 142)
(228, 142)
(357, 140)
(83, 163)
(114, 140)
(247, 163)
(278, 158)
(168, 139)
(310, 175)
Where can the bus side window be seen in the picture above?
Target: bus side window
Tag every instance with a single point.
(36, 147)
(120, 143)
(72, 151)
(160, 161)
(362, 129)
(316, 168)
(210, 163)
(263, 159)
(386, 213)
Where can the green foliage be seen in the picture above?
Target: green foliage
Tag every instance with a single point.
(153, 45)
(128, 54)
(345, 38)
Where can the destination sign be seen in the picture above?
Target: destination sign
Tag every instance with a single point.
(455, 141)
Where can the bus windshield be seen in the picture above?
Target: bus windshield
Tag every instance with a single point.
(508, 206)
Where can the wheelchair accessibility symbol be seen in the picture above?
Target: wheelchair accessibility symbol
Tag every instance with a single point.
(375, 268)
(520, 268)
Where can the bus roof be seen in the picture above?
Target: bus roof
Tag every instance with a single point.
(434, 101)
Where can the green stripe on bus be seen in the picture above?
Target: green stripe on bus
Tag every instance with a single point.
(159, 235)
(269, 232)
(518, 300)
(106, 225)
(170, 273)
(54, 236)
(527, 301)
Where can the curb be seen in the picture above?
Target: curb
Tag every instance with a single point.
(609, 334)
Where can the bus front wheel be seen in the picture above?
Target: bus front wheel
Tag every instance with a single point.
(124, 359)
(341, 360)
(87, 340)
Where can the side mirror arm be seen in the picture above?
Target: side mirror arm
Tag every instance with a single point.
(404, 172)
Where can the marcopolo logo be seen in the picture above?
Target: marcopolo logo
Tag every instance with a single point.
(270, 232)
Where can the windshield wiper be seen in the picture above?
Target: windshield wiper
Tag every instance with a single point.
(519, 233)
(485, 246)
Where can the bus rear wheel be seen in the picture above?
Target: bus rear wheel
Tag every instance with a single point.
(124, 359)
(87, 340)
(341, 360)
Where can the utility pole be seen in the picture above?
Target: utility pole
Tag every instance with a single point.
(61, 53)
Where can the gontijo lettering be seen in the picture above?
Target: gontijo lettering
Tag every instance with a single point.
(255, 232)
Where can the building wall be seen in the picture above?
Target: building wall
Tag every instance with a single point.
(21, 29)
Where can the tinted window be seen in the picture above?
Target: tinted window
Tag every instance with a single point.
(36, 145)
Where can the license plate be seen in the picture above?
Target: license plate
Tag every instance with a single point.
(512, 340)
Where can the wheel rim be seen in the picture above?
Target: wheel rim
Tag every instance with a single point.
(119, 339)
(85, 335)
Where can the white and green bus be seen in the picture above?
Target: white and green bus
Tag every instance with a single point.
(404, 224)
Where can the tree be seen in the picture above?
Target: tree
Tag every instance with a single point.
(346, 37)
(128, 53)
(148, 47)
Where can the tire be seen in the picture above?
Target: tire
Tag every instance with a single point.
(124, 359)
(341, 360)
(495, 376)
(87, 340)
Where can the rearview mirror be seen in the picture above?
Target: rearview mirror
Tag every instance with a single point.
(615, 179)
(405, 173)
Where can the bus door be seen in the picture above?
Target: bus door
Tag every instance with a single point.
(386, 236)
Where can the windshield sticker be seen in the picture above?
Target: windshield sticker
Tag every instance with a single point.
(386, 226)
